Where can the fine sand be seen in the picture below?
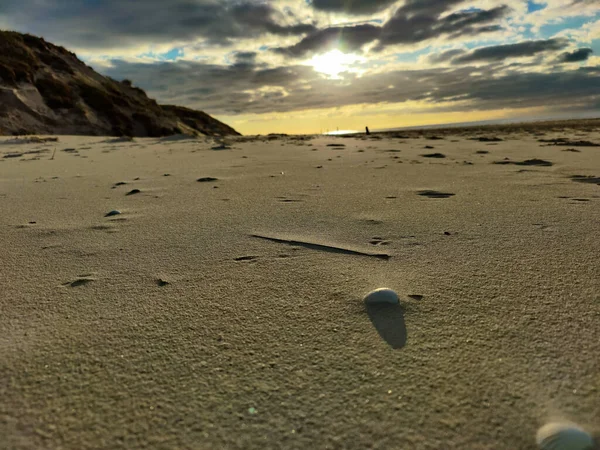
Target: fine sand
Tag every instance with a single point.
(222, 309)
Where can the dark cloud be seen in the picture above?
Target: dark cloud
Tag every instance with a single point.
(518, 50)
(447, 55)
(259, 16)
(581, 54)
(112, 23)
(343, 38)
(352, 6)
(414, 22)
(245, 57)
(242, 90)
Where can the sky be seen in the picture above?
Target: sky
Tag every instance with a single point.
(310, 66)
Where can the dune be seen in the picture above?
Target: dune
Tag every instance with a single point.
(221, 306)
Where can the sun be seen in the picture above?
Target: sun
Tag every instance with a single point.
(333, 63)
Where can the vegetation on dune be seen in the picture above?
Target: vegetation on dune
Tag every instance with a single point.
(56, 94)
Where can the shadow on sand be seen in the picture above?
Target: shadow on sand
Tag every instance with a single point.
(388, 320)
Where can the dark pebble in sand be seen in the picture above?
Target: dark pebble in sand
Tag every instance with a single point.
(32, 222)
(206, 179)
(133, 192)
(433, 155)
(447, 233)
(114, 212)
(160, 282)
(166, 175)
(429, 147)
(416, 297)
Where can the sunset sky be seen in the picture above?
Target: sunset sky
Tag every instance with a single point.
(306, 66)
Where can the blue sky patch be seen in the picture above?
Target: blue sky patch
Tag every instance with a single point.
(533, 6)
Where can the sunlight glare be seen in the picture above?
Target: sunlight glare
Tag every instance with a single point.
(334, 62)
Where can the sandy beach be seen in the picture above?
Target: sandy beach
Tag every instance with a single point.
(221, 307)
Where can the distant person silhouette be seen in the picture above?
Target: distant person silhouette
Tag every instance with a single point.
(367, 130)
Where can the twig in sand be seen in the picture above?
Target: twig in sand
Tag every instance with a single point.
(325, 248)
(53, 153)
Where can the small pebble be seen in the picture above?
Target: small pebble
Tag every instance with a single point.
(133, 191)
(114, 212)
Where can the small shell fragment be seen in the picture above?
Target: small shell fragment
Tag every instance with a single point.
(382, 295)
(563, 436)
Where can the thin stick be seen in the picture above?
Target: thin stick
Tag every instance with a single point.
(325, 248)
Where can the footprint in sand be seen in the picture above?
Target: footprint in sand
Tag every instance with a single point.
(120, 183)
(246, 258)
(378, 241)
(289, 200)
(435, 194)
(586, 179)
(527, 162)
(81, 280)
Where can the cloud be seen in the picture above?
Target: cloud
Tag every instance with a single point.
(346, 39)
(227, 90)
(436, 58)
(225, 66)
(416, 21)
(352, 6)
(581, 54)
(518, 50)
(117, 23)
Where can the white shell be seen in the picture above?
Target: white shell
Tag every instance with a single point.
(563, 436)
(382, 295)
